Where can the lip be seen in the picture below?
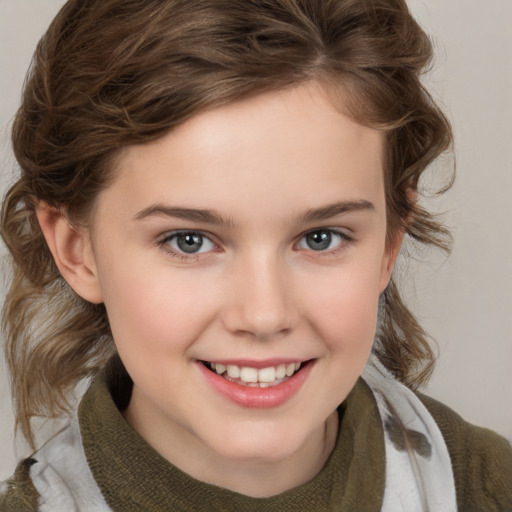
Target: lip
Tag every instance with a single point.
(256, 397)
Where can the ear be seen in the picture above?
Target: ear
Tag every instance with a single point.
(72, 251)
(389, 259)
(393, 246)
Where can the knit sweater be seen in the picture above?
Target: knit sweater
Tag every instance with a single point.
(133, 477)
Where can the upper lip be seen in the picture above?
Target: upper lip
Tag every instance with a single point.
(251, 363)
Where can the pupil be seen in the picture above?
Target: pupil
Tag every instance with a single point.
(190, 243)
(319, 240)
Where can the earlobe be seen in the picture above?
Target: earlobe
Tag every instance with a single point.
(72, 252)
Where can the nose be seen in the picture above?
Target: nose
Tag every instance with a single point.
(260, 300)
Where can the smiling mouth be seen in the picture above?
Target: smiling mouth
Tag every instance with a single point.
(255, 377)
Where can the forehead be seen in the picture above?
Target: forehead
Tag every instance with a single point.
(289, 147)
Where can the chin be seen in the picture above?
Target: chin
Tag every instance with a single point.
(260, 443)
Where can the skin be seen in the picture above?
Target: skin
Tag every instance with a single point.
(256, 290)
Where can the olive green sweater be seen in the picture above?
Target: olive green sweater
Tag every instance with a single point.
(133, 477)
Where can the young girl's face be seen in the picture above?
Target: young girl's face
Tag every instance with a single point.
(252, 238)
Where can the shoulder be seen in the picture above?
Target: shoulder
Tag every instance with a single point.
(18, 494)
(481, 460)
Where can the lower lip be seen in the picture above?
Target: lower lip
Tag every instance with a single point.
(256, 397)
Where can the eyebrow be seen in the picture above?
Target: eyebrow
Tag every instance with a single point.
(212, 217)
(192, 214)
(334, 209)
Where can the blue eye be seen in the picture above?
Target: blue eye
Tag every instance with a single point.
(188, 242)
(322, 240)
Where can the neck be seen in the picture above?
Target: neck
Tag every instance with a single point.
(262, 479)
(256, 478)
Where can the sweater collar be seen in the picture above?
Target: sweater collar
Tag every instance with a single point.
(133, 476)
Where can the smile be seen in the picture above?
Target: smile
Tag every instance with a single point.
(260, 385)
(256, 385)
(254, 377)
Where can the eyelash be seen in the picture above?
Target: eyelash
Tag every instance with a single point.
(164, 243)
(344, 241)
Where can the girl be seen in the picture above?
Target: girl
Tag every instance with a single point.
(212, 199)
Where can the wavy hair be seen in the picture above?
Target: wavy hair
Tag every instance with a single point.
(111, 73)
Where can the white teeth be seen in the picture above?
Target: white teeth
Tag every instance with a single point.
(290, 369)
(263, 377)
(267, 374)
(233, 371)
(281, 371)
(248, 374)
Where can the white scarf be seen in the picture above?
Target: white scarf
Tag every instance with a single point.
(418, 479)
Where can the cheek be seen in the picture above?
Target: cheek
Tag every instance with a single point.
(344, 309)
(156, 310)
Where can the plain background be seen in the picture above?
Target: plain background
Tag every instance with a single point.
(464, 301)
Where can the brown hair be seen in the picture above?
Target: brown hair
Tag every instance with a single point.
(110, 73)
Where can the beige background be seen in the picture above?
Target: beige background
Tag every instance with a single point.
(465, 301)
